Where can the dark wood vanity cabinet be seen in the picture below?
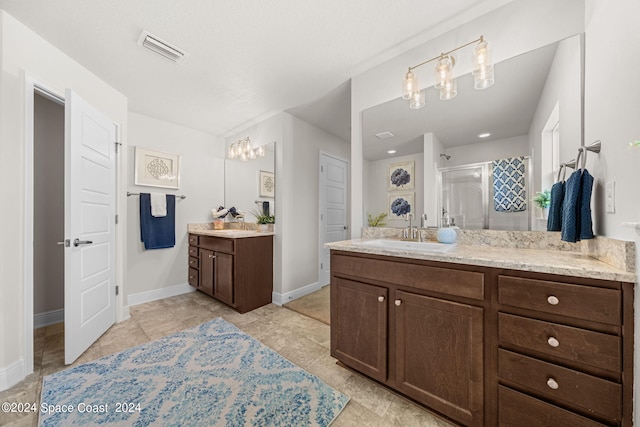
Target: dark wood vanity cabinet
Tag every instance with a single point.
(235, 271)
(392, 322)
(486, 346)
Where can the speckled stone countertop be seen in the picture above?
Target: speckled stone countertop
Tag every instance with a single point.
(207, 229)
(567, 263)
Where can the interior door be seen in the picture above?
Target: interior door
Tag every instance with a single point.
(333, 208)
(90, 184)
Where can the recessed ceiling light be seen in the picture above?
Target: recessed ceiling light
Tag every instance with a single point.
(391, 151)
(384, 135)
(484, 135)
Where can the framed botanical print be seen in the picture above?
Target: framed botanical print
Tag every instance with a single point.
(401, 176)
(267, 184)
(400, 203)
(157, 168)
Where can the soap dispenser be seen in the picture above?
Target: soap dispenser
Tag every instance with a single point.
(446, 233)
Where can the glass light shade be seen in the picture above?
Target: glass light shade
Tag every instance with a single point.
(417, 100)
(231, 153)
(244, 157)
(260, 151)
(483, 78)
(238, 149)
(449, 90)
(444, 71)
(409, 85)
(251, 154)
(247, 145)
(483, 75)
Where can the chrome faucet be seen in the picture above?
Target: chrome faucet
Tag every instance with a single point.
(411, 231)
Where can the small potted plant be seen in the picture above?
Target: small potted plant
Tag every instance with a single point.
(376, 221)
(543, 200)
(264, 219)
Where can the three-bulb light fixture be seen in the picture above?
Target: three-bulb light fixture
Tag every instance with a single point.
(243, 150)
(483, 75)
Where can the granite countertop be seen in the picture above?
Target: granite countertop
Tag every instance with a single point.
(535, 260)
(230, 233)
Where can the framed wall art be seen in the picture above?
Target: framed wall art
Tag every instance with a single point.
(401, 176)
(157, 168)
(400, 204)
(267, 184)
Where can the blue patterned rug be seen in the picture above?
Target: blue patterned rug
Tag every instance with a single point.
(209, 375)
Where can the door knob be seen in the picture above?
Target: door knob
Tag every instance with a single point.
(78, 242)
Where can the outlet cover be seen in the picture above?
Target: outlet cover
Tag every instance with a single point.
(610, 196)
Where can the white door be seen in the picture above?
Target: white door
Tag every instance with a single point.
(333, 208)
(90, 178)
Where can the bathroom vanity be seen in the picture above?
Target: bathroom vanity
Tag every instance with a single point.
(233, 266)
(488, 336)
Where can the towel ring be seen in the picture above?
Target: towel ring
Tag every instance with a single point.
(560, 171)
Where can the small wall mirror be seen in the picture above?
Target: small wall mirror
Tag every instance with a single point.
(249, 185)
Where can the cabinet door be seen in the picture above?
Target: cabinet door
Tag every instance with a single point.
(207, 262)
(359, 326)
(223, 285)
(439, 355)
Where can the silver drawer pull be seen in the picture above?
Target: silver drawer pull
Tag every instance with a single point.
(553, 300)
(553, 384)
(398, 302)
(553, 342)
(380, 298)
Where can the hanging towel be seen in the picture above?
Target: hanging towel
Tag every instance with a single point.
(570, 208)
(509, 194)
(554, 221)
(158, 204)
(157, 232)
(586, 225)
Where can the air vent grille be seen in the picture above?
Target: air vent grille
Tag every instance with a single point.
(384, 135)
(161, 47)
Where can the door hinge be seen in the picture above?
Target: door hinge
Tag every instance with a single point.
(116, 218)
(117, 290)
(118, 144)
(321, 217)
(321, 266)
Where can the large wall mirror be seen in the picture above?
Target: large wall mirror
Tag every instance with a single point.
(250, 183)
(533, 111)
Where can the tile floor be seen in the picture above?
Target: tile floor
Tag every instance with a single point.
(299, 338)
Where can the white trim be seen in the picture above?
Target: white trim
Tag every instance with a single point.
(41, 320)
(12, 374)
(156, 294)
(280, 299)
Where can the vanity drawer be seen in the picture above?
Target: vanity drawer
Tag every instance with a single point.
(193, 277)
(575, 344)
(193, 239)
(193, 251)
(562, 385)
(193, 262)
(468, 284)
(577, 301)
(516, 410)
(217, 243)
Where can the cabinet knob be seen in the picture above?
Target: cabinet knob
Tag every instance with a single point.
(553, 300)
(192, 277)
(380, 298)
(211, 256)
(398, 302)
(553, 342)
(553, 384)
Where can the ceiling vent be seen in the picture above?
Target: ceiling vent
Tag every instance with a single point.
(161, 47)
(384, 135)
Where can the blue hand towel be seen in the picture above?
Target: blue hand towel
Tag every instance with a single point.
(157, 232)
(508, 185)
(570, 208)
(586, 225)
(554, 221)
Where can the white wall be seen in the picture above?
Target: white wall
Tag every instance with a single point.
(487, 151)
(513, 29)
(23, 50)
(612, 113)
(201, 180)
(377, 195)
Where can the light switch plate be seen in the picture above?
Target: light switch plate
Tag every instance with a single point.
(610, 196)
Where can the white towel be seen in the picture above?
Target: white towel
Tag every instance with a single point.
(158, 204)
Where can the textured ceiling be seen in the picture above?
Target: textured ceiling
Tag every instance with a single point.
(248, 58)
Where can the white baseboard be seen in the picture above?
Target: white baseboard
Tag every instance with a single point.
(279, 299)
(41, 320)
(156, 294)
(12, 375)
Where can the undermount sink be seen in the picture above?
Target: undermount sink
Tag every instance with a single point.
(433, 247)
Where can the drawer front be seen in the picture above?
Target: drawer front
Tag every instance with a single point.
(516, 410)
(217, 243)
(578, 301)
(193, 262)
(193, 239)
(193, 277)
(193, 251)
(562, 385)
(468, 284)
(575, 344)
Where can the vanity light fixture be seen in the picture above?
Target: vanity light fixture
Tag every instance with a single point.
(483, 74)
(243, 150)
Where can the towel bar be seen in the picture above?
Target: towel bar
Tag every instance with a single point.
(137, 194)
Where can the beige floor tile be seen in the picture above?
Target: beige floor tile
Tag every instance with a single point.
(303, 352)
(356, 415)
(326, 368)
(368, 394)
(403, 413)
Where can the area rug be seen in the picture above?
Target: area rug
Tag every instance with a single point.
(315, 305)
(209, 375)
